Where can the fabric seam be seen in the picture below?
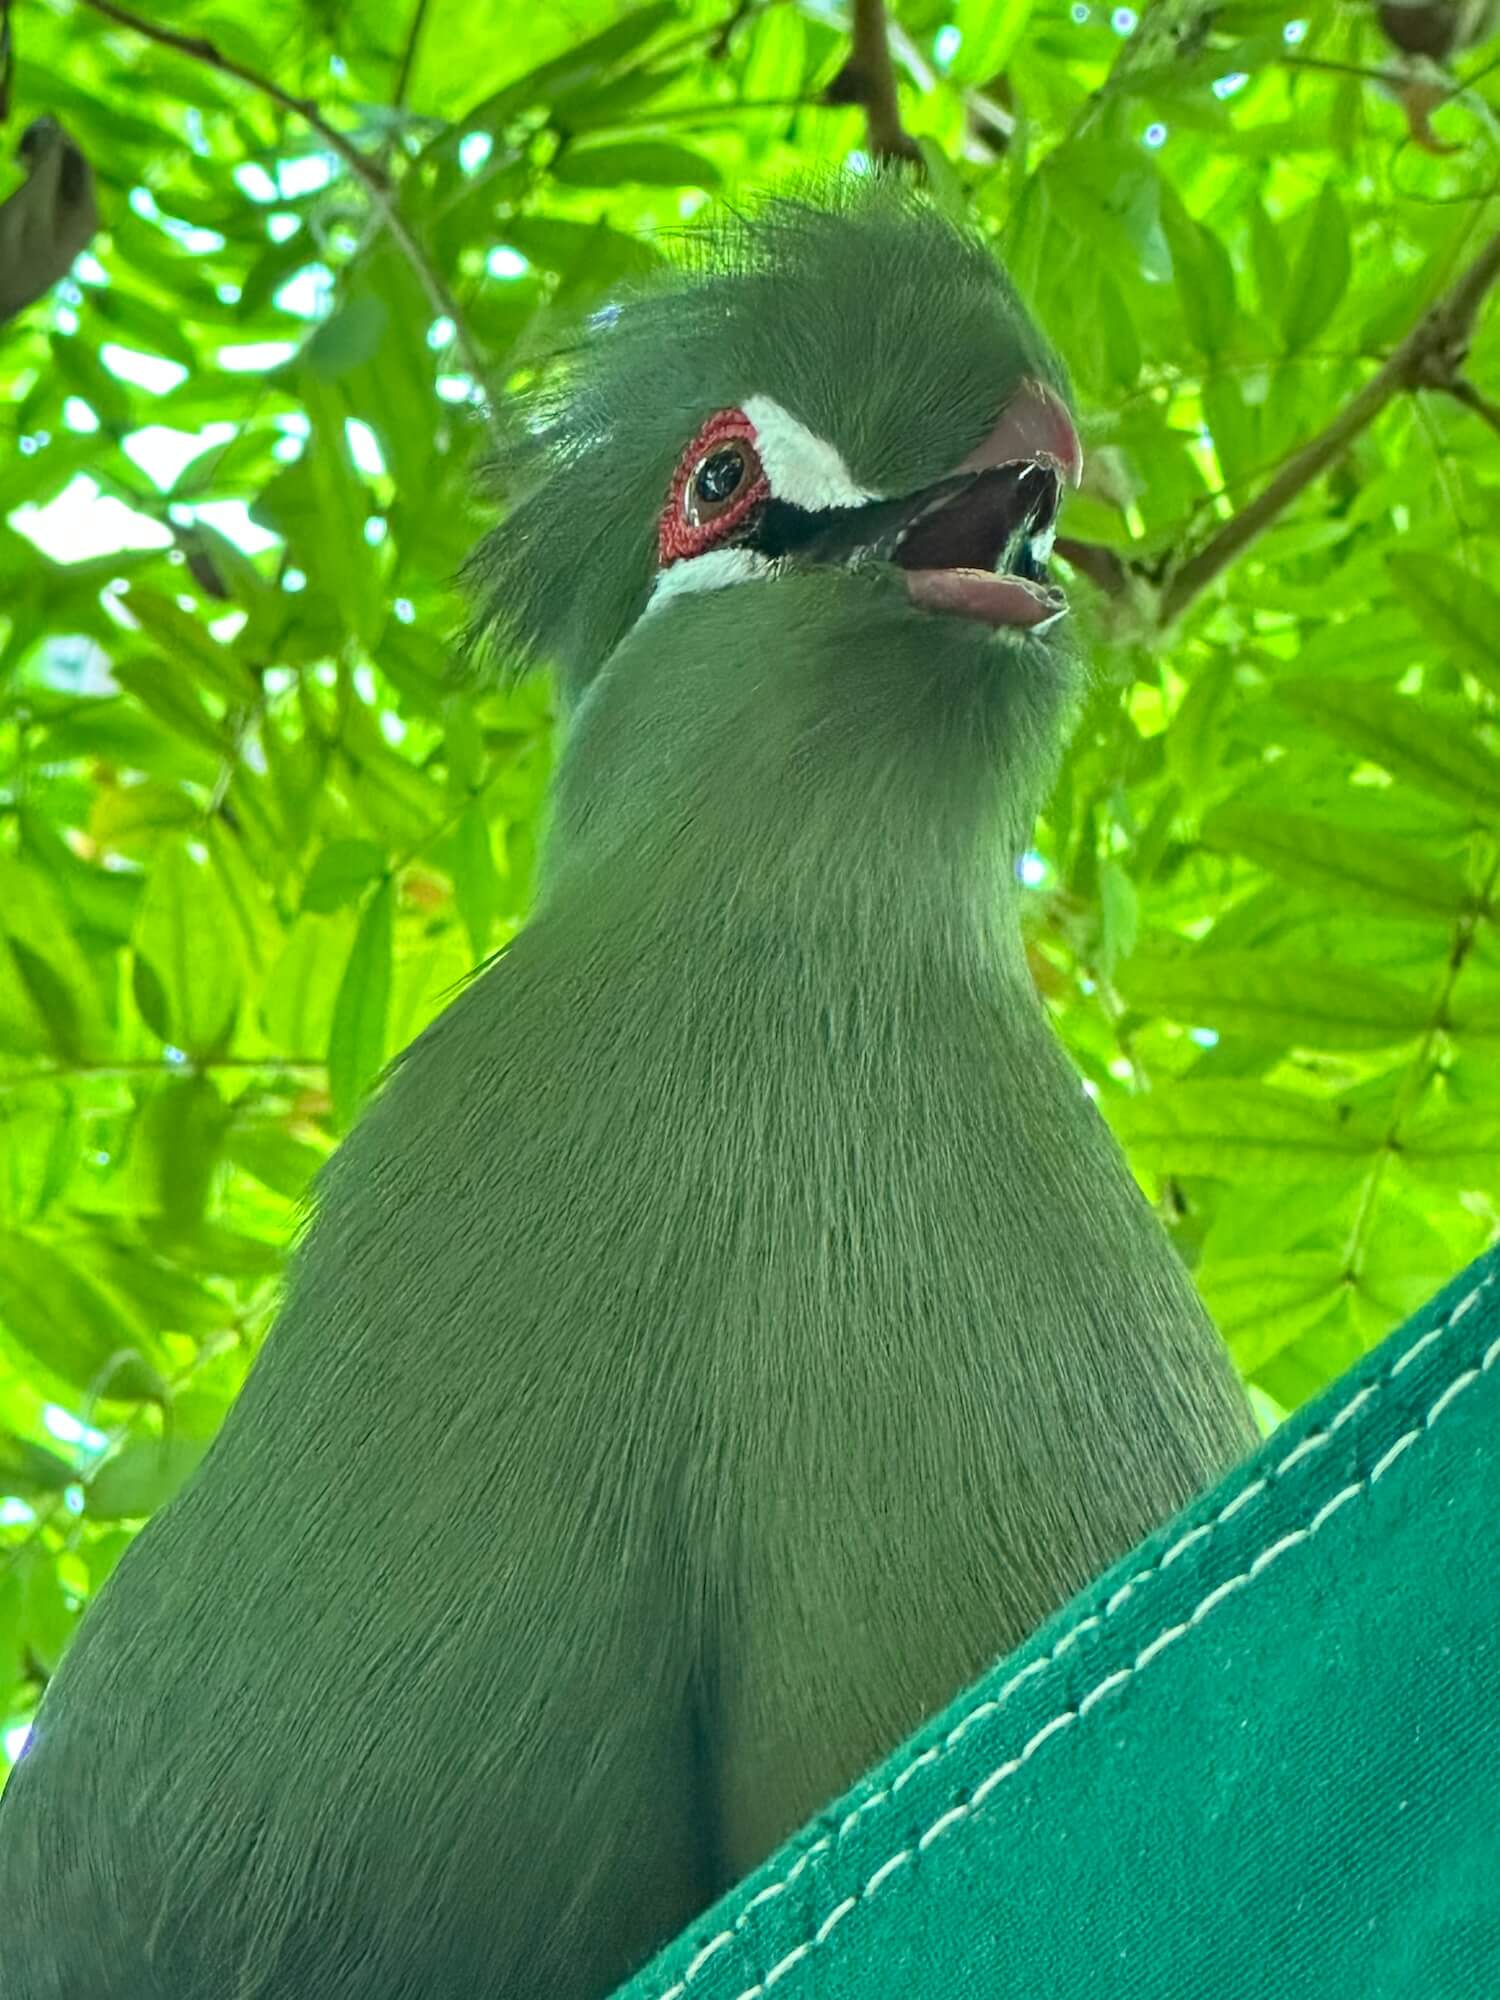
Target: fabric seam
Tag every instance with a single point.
(1300, 1454)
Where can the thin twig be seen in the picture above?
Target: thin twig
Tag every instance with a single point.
(1418, 1074)
(374, 180)
(1103, 567)
(1464, 392)
(409, 54)
(725, 33)
(1391, 78)
(869, 78)
(711, 109)
(70, 1072)
(1428, 358)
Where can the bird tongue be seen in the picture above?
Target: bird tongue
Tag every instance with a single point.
(983, 520)
(977, 545)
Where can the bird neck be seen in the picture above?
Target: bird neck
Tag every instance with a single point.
(788, 926)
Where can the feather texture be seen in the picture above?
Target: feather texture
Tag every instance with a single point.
(730, 1328)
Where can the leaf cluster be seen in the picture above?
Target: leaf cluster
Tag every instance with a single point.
(253, 832)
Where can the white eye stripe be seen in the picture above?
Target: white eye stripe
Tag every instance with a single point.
(715, 569)
(800, 466)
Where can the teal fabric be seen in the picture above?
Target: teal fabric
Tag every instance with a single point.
(1260, 1757)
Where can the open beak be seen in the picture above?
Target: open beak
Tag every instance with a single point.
(976, 543)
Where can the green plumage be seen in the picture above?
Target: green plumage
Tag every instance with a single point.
(730, 1328)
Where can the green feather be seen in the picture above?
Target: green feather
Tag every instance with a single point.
(730, 1329)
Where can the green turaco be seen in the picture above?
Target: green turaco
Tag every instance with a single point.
(731, 1327)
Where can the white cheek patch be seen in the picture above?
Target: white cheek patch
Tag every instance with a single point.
(801, 467)
(715, 569)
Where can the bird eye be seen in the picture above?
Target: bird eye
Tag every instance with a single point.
(717, 490)
(717, 480)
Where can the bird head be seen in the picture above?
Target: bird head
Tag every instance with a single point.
(782, 523)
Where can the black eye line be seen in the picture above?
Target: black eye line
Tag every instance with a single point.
(780, 527)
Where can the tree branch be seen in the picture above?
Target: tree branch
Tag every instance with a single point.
(1428, 358)
(1463, 391)
(1103, 568)
(49, 218)
(372, 177)
(869, 78)
(409, 53)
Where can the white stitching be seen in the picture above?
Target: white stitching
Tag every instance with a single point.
(1159, 1645)
(1117, 1679)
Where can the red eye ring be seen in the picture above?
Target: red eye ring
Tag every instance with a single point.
(695, 520)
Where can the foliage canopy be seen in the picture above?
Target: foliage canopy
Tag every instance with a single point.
(254, 832)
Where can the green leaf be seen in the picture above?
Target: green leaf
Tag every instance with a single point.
(1455, 605)
(158, 1297)
(270, 272)
(588, 63)
(1268, 255)
(189, 646)
(50, 997)
(340, 873)
(1320, 272)
(777, 60)
(580, 251)
(141, 1476)
(141, 324)
(613, 103)
(227, 1253)
(48, 1621)
(28, 1469)
(1409, 738)
(245, 891)
(1372, 645)
(1457, 1151)
(1204, 276)
(300, 991)
(1262, 1303)
(1225, 1130)
(475, 880)
(1291, 1003)
(338, 555)
(348, 337)
(1475, 1013)
(1367, 869)
(80, 369)
(1122, 346)
(1233, 425)
(991, 31)
(1193, 736)
(356, 1046)
(186, 935)
(1119, 914)
(178, 1136)
(68, 1325)
(649, 162)
(64, 1152)
(99, 902)
(48, 975)
(463, 745)
(265, 1149)
(179, 708)
(943, 183)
